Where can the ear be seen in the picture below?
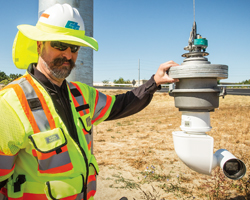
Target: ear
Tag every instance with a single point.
(39, 47)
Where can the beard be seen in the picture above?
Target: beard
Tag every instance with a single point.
(56, 66)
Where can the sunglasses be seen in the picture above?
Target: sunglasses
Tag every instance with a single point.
(61, 46)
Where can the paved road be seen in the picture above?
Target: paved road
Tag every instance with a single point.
(243, 92)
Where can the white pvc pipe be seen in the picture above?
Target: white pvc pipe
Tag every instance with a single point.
(195, 122)
(196, 151)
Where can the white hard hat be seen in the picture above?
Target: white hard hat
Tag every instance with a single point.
(57, 23)
(63, 16)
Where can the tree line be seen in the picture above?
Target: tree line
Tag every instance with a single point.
(246, 82)
(118, 81)
(5, 79)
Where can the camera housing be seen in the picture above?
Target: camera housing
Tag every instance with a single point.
(196, 152)
(232, 167)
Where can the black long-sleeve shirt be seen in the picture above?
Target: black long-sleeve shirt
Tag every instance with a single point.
(125, 104)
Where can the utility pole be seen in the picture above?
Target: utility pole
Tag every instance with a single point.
(139, 72)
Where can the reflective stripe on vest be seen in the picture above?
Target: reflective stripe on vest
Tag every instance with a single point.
(29, 196)
(78, 96)
(80, 196)
(3, 194)
(79, 102)
(91, 187)
(52, 162)
(2, 197)
(6, 164)
(34, 104)
(102, 104)
(24, 103)
(74, 197)
(38, 113)
(91, 184)
(82, 108)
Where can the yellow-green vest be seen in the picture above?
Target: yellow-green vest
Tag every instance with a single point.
(52, 165)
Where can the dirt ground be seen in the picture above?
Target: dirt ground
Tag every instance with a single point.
(137, 160)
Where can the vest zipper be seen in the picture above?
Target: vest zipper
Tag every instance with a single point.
(76, 141)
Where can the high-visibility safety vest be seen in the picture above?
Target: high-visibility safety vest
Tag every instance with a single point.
(52, 165)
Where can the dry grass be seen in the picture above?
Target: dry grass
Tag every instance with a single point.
(136, 154)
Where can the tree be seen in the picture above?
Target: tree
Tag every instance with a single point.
(3, 76)
(5, 79)
(105, 82)
(14, 76)
(122, 81)
(245, 82)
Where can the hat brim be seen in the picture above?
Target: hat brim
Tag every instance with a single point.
(37, 34)
(24, 49)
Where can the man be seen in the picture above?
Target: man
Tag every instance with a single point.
(45, 124)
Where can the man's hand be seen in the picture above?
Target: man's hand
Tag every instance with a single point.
(161, 76)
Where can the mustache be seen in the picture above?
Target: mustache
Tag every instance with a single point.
(60, 61)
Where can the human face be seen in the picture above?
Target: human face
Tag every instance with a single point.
(59, 62)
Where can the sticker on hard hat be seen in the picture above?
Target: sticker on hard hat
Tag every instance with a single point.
(72, 25)
(45, 15)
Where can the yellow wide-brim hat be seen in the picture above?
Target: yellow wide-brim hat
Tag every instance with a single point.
(57, 23)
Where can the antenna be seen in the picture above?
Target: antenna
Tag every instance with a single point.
(196, 44)
(194, 9)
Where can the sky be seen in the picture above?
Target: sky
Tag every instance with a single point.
(149, 32)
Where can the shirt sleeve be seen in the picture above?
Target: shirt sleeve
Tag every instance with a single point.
(133, 101)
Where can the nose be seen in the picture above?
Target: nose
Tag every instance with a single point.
(67, 53)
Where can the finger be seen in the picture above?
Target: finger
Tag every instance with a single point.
(173, 80)
(169, 64)
(168, 78)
